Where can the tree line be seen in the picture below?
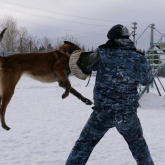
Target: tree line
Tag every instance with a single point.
(18, 39)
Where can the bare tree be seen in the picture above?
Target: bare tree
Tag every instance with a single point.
(10, 40)
(33, 43)
(46, 44)
(18, 39)
(27, 43)
(67, 37)
(23, 37)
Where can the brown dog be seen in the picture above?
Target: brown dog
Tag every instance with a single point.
(45, 67)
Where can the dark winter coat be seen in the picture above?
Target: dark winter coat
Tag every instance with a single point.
(120, 69)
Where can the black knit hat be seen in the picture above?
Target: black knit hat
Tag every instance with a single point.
(118, 32)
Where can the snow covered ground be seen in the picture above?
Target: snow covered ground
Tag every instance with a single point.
(44, 127)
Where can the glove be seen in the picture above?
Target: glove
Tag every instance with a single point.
(86, 60)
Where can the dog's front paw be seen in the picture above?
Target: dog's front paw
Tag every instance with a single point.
(64, 95)
(88, 102)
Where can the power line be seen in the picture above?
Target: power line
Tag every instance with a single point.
(46, 17)
(158, 31)
(142, 33)
(50, 26)
(143, 39)
(52, 12)
(91, 35)
(53, 27)
(162, 35)
(157, 34)
(57, 19)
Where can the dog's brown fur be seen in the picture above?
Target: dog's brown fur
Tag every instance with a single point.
(45, 67)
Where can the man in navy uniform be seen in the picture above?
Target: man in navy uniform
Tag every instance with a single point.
(120, 68)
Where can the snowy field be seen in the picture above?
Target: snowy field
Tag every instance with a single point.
(44, 127)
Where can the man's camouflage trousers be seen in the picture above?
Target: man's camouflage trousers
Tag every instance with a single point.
(100, 121)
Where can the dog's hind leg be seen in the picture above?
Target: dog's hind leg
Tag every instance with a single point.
(5, 101)
(8, 81)
(0, 106)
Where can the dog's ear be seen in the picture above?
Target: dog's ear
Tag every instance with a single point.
(69, 47)
(69, 43)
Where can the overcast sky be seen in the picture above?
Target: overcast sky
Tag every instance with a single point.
(88, 20)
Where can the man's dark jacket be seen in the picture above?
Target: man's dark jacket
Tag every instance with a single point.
(119, 71)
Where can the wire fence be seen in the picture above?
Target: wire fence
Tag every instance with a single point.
(4, 54)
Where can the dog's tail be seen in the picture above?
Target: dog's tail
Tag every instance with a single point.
(2, 33)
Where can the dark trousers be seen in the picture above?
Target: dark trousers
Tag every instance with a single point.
(100, 121)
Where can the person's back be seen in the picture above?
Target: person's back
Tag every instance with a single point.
(119, 72)
(120, 68)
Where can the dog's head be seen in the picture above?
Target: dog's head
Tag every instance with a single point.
(69, 47)
(2, 33)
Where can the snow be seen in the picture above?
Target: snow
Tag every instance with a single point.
(44, 127)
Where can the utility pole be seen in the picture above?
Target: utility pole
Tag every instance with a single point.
(134, 31)
(152, 26)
